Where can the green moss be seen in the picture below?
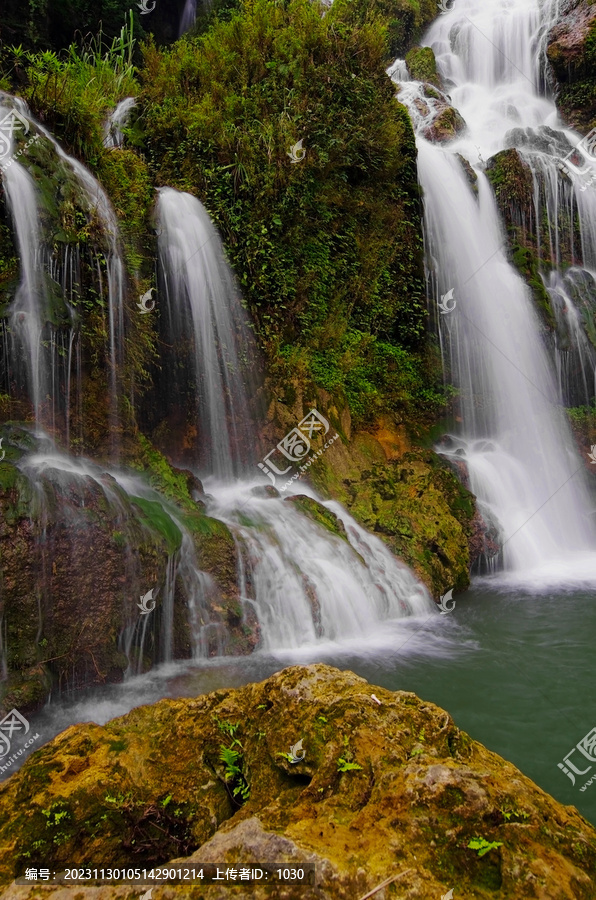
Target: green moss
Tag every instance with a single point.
(422, 65)
(320, 514)
(162, 476)
(158, 520)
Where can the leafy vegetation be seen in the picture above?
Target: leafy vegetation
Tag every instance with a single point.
(328, 251)
(483, 846)
(344, 766)
(234, 775)
(77, 87)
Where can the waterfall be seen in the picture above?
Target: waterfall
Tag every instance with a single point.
(302, 582)
(189, 15)
(64, 490)
(32, 323)
(522, 462)
(204, 318)
(28, 312)
(113, 135)
(305, 583)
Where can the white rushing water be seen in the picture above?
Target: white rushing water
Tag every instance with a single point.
(38, 348)
(522, 461)
(189, 15)
(203, 304)
(29, 309)
(305, 583)
(113, 134)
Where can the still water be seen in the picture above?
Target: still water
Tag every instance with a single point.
(515, 670)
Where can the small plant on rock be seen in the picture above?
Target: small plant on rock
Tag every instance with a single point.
(483, 846)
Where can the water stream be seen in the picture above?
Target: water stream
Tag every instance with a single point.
(522, 461)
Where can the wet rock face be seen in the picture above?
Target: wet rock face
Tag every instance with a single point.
(447, 125)
(151, 788)
(571, 52)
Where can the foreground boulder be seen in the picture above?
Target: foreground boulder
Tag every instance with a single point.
(388, 784)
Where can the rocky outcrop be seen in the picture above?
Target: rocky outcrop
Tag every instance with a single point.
(77, 553)
(387, 786)
(571, 52)
(446, 125)
(405, 495)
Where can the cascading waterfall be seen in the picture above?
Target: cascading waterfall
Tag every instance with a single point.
(302, 582)
(305, 583)
(52, 475)
(189, 15)
(113, 134)
(573, 296)
(29, 309)
(203, 305)
(522, 461)
(30, 317)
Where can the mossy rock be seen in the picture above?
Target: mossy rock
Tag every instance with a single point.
(149, 788)
(571, 52)
(319, 514)
(422, 65)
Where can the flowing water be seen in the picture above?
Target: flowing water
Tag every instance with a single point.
(42, 337)
(513, 663)
(189, 15)
(203, 303)
(522, 461)
(113, 134)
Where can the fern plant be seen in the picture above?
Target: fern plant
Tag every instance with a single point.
(483, 846)
(344, 766)
(233, 774)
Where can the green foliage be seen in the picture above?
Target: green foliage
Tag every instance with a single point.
(483, 846)
(54, 23)
(514, 814)
(162, 477)
(422, 65)
(75, 90)
(233, 774)
(344, 766)
(328, 251)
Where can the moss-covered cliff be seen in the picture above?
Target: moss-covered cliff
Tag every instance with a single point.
(386, 786)
(571, 52)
